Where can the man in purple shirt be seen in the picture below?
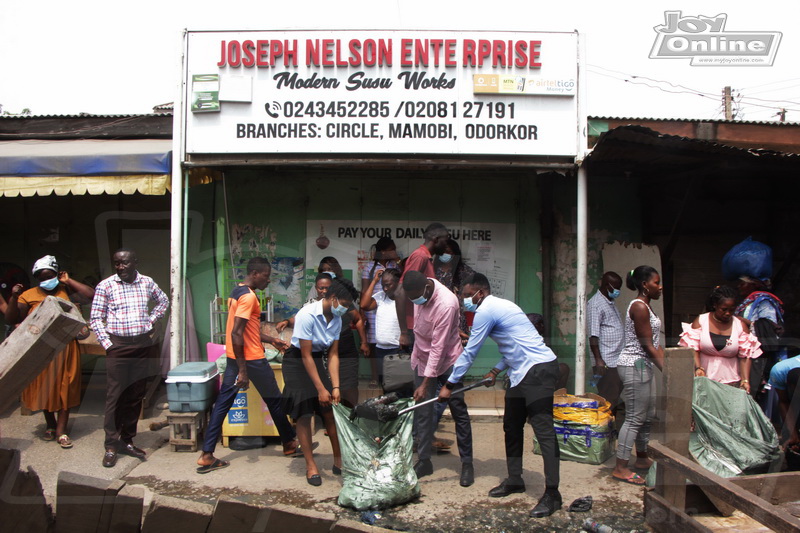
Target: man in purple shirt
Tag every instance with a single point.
(436, 347)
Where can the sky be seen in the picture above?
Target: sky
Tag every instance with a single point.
(100, 57)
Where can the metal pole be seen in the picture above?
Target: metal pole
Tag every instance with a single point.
(176, 278)
(583, 227)
(580, 303)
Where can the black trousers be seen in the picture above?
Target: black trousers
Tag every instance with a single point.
(127, 368)
(532, 401)
(425, 420)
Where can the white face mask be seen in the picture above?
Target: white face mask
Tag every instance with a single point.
(445, 258)
(330, 273)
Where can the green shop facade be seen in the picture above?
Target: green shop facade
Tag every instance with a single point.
(295, 145)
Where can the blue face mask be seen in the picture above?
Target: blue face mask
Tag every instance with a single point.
(49, 284)
(469, 305)
(331, 274)
(445, 258)
(421, 300)
(614, 293)
(338, 310)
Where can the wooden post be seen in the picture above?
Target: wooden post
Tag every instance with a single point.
(677, 409)
(34, 343)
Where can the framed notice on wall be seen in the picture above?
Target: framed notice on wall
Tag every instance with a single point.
(382, 92)
(489, 248)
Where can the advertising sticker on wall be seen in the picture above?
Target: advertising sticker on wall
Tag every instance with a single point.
(488, 248)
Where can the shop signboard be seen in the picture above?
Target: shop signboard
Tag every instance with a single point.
(381, 92)
(487, 247)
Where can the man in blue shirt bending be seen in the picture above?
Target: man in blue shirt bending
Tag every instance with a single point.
(533, 371)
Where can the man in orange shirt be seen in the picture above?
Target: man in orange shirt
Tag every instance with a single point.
(246, 363)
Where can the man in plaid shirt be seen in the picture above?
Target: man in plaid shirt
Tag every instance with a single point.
(606, 337)
(123, 322)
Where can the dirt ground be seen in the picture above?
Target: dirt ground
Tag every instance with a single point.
(265, 476)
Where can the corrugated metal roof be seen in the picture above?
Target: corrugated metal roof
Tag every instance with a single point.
(642, 145)
(698, 120)
(79, 115)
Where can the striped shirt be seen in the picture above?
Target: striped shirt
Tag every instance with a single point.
(605, 324)
(122, 309)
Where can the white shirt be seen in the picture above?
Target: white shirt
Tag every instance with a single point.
(387, 329)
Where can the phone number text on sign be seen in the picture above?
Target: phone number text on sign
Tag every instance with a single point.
(408, 109)
(396, 130)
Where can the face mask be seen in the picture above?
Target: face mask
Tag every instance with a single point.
(338, 310)
(469, 305)
(614, 294)
(331, 274)
(445, 258)
(49, 284)
(419, 301)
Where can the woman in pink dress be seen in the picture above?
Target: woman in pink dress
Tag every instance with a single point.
(722, 343)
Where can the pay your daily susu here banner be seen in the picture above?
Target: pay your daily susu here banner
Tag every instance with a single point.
(382, 92)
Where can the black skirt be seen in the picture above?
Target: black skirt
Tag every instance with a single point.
(300, 396)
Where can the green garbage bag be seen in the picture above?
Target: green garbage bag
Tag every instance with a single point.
(732, 435)
(377, 474)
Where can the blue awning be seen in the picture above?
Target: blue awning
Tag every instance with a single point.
(85, 157)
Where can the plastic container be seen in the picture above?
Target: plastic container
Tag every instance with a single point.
(190, 386)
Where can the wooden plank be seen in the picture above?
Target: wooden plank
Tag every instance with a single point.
(34, 343)
(745, 501)
(663, 517)
(775, 488)
(678, 383)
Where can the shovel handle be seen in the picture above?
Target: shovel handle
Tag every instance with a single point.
(434, 399)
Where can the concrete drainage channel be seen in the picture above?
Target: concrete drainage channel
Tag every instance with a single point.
(482, 514)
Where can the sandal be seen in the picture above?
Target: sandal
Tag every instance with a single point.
(216, 465)
(633, 479)
(64, 441)
(49, 434)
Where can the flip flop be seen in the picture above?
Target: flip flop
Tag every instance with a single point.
(216, 465)
(64, 441)
(633, 479)
(49, 434)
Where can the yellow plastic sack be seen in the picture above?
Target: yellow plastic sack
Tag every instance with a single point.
(590, 409)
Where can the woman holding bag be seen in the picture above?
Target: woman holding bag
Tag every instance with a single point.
(308, 389)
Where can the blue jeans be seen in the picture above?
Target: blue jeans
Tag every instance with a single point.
(262, 377)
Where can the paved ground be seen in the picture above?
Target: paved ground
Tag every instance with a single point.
(266, 476)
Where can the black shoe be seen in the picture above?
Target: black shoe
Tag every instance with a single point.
(423, 468)
(314, 480)
(505, 488)
(548, 504)
(133, 451)
(337, 471)
(110, 458)
(467, 475)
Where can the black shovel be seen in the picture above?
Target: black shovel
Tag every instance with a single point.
(383, 409)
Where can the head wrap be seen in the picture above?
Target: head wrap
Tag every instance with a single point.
(47, 262)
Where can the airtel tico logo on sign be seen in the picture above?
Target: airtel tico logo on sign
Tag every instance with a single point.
(705, 42)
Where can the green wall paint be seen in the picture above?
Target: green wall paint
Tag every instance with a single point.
(285, 200)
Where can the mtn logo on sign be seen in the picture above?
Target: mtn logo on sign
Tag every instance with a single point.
(705, 41)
